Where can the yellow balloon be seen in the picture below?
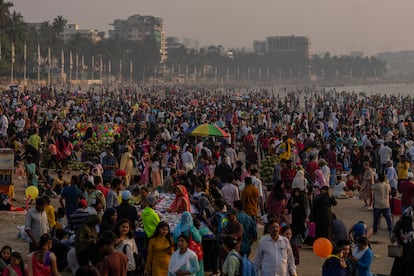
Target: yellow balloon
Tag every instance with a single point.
(31, 192)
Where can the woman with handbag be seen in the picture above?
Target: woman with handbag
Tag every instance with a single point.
(186, 227)
(403, 235)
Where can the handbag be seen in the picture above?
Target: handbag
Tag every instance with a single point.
(196, 247)
(311, 229)
(395, 250)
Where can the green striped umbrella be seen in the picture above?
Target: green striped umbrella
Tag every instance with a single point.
(206, 130)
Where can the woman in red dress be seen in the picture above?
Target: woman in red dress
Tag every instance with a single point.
(181, 202)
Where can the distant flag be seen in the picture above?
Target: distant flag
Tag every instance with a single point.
(130, 66)
(76, 60)
(70, 60)
(24, 52)
(49, 62)
(109, 66)
(38, 54)
(13, 53)
(63, 61)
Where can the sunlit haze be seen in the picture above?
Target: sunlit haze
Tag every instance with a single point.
(337, 26)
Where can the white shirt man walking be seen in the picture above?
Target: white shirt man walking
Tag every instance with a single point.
(274, 254)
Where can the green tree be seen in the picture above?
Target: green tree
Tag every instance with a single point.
(4, 12)
(59, 24)
(16, 29)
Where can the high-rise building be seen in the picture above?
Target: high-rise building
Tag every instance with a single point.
(283, 45)
(69, 31)
(138, 27)
(73, 29)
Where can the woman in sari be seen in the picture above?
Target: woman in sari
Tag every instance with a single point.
(155, 172)
(127, 164)
(145, 173)
(367, 181)
(181, 202)
(186, 227)
(43, 262)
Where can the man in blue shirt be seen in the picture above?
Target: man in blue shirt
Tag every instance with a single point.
(109, 165)
(249, 227)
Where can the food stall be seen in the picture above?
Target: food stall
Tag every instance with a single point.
(164, 201)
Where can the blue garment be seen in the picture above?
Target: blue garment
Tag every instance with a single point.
(185, 227)
(71, 194)
(364, 264)
(249, 232)
(332, 267)
(108, 174)
(359, 230)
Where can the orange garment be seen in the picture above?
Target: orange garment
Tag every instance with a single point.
(181, 202)
(250, 198)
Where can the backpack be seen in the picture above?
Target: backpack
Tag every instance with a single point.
(138, 259)
(247, 267)
(223, 221)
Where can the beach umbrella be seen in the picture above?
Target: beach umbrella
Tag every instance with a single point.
(208, 130)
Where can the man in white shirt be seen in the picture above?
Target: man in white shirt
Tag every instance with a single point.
(165, 134)
(381, 202)
(230, 191)
(385, 154)
(392, 175)
(231, 153)
(188, 159)
(274, 254)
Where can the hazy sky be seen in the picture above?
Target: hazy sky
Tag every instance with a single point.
(337, 26)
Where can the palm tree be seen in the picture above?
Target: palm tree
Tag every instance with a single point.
(59, 23)
(4, 12)
(16, 29)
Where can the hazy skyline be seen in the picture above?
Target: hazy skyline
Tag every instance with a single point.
(337, 26)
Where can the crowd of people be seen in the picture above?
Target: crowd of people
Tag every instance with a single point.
(321, 141)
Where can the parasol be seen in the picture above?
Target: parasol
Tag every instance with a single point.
(206, 130)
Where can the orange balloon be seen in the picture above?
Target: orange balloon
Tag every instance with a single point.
(322, 247)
